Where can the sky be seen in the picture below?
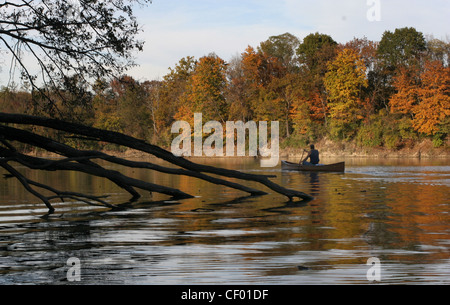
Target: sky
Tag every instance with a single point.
(173, 29)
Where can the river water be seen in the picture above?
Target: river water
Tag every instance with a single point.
(394, 210)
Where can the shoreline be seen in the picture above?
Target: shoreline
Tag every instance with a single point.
(327, 149)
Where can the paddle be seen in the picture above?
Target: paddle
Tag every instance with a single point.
(301, 159)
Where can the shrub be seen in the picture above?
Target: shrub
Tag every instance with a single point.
(392, 141)
(381, 129)
(370, 135)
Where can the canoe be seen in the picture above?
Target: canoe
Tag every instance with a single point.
(335, 167)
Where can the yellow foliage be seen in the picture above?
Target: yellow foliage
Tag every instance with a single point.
(344, 80)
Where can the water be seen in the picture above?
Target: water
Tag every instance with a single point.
(397, 211)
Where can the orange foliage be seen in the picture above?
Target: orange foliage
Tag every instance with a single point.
(425, 96)
(434, 95)
(185, 113)
(406, 97)
(207, 85)
(259, 69)
(318, 108)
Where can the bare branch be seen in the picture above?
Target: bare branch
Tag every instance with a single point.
(85, 156)
(25, 183)
(130, 142)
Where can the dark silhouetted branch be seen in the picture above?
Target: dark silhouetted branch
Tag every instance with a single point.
(130, 142)
(83, 161)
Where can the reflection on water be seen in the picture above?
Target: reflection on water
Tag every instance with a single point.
(396, 211)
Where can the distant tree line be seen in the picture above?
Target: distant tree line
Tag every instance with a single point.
(389, 93)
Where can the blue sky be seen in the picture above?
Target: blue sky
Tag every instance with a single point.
(173, 29)
(177, 28)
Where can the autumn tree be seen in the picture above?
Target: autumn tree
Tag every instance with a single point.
(261, 81)
(13, 100)
(207, 86)
(302, 122)
(405, 98)
(314, 53)
(237, 93)
(344, 82)
(424, 97)
(284, 92)
(156, 109)
(433, 110)
(259, 70)
(175, 89)
(374, 95)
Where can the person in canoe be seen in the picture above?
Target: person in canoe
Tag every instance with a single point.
(313, 156)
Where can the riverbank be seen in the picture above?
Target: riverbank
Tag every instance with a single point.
(332, 149)
(327, 148)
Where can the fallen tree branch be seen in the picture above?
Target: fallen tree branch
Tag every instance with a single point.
(83, 161)
(130, 142)
(25, 183)
(74, 196)
(85, 156)
(51, 165)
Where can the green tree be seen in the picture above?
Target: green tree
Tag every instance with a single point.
(315, 52)
(131, 107)
(403, 47)
(283, 47)
(374, 95)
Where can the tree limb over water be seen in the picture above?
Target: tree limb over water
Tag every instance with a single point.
(83, 161)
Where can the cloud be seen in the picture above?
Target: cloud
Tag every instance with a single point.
(345, 19)
(166, 48)
(175, 29)
(197, 31)
(174, 32)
